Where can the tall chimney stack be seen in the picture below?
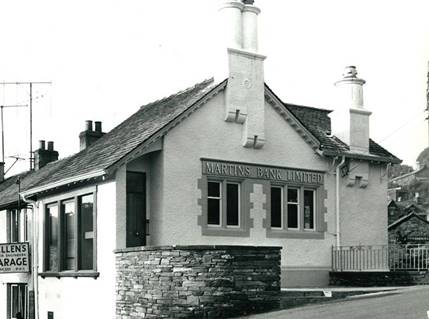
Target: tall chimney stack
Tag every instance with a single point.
(351, 124)
(245, 89)
(89, 136)
(44, 156)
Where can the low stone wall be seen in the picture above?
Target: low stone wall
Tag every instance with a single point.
(196, 281)
(380, 279)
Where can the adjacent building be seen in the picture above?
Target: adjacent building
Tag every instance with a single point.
(226, 163)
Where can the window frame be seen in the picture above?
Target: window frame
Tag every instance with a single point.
(297, 203)
(17, 225)
(240, 230)
(58, 202)
(301, 232)
(219, 198)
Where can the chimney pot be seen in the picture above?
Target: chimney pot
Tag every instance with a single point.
(88, 125)
(42, 144)
(98, 126)
(50, 146)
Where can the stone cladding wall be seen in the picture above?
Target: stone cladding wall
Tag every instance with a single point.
(379, 278)
(196, 281)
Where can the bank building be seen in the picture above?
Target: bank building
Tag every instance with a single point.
(301, 178)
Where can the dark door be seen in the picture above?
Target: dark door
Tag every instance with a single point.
(17, 301)
(136, 209)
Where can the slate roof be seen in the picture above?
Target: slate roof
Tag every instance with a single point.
(405, 218)
(148, 121)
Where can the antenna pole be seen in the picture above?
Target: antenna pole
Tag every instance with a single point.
(31, 127)
(2, 135)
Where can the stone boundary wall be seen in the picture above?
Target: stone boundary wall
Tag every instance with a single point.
(380, 279)
(196, 281)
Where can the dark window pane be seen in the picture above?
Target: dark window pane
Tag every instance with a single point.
(213, 189)
(276, 207)
(232, 205)
(292, 216)
(52, 238)
(213, 211)
(292, 195)
(308, 209)
(69, 231)
(86, 232)
(135, 182)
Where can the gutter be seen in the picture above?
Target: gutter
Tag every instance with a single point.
(35, 254)
(63, 182)
(337, 199)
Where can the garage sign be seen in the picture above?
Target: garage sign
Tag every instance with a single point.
(14, 257)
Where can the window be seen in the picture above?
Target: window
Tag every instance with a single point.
(276, 207)
(292, 208)
(223, 204)
(17, 229)
(309, 195)
(17, 301)
(298, 213)
(69, 234)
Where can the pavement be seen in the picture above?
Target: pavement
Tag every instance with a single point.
(392, 303)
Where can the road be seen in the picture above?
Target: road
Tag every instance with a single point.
(407, 303)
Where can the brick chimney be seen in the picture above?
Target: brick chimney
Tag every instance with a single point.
(89, 136)
(245, 90)
(43, 156)
(350, 122)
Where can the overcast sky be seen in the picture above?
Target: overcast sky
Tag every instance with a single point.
(106, 58)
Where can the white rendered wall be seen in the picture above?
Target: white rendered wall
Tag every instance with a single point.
(206, 134)
(71, 298)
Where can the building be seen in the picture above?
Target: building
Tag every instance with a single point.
(409, 230)
(218, 163)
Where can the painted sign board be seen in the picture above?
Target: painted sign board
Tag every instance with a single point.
(245, 170)
(14, 257)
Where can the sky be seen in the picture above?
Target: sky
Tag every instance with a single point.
(106, 58)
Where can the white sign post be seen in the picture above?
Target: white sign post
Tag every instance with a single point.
(14, 257)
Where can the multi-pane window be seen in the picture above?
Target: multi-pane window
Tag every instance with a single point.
(296, 212)
(69, 235)
(223, 204)
(292, 208)
(17, 225)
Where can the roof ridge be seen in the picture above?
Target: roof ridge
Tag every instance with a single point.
(204, 83)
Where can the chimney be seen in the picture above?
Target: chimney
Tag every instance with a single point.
(245, 90)
(1, 172)
(89, 136)
(44, 156)
(351, 124)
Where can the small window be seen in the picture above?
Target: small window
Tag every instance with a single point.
(276, 207)
(309, 209)
(214, 203)
(293, 208)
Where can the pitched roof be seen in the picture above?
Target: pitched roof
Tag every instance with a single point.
(405, 218)
(147, 123)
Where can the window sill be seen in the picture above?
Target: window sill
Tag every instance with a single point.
(305, 234)
(222, 231)
(74, 274)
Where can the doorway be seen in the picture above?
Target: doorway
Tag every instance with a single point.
(136, 209)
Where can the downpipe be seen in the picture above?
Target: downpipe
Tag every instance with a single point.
(337, 200)
(35, 253)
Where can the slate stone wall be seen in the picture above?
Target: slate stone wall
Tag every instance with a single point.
(196, 281)
(380, 279)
